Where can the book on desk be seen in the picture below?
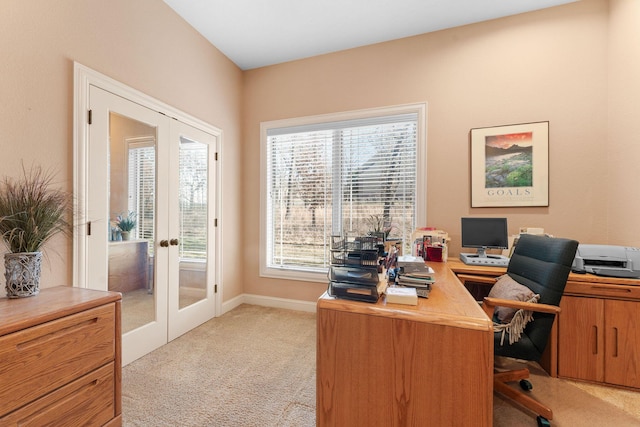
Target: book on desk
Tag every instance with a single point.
(421, 280)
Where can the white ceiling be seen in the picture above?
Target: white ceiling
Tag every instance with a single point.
(255, 33)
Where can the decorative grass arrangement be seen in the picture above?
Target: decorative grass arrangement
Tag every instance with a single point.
(126, 223)
(32, 211)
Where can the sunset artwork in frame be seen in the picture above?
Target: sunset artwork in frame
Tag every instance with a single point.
(510, 165)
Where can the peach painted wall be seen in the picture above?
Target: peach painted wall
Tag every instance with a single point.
(120, 129)
(623, 162)
(550, 65)
(141, 43)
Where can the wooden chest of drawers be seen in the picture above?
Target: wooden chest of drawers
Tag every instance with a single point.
(60, 359)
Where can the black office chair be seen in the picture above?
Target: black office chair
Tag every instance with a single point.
(542, 264)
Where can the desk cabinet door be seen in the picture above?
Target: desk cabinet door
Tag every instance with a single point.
(581, 346)
(622, 363)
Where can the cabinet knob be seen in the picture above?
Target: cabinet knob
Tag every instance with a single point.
(173, 242)
(164, 243)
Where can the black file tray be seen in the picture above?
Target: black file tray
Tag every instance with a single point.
(354, 291)
(357, 275)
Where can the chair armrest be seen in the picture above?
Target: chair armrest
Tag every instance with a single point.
(484, 280)
(489, 305)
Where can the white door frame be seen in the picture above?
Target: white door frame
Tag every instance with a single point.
(85, 77)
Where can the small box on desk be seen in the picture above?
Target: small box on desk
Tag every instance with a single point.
(396, 295)
(434, 253)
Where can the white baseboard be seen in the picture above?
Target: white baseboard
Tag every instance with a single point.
(289, 304)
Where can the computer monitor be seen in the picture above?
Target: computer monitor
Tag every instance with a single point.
(483, 234)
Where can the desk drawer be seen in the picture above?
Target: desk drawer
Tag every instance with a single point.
(602, 290)
(88, 401)
(38, 360)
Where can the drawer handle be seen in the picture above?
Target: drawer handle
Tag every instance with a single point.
(56, 334)
(602, 288)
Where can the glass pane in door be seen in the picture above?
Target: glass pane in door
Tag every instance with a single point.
(132, 182)
(193, 221)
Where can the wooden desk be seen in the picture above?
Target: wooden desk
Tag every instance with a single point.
(599, 333)
(399, 365)
(460, 267)
(128, 265)
(597, 337)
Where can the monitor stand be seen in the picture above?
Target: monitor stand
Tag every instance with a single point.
(482, 258)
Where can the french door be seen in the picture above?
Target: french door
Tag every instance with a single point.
(161, 173)
(192, 257)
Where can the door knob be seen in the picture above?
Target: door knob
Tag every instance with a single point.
(164, 243)
(173, 242)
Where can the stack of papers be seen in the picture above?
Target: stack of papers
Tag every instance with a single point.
(416, 280)
(411, 264)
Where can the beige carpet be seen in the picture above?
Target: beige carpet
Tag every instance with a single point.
(255, 366)
(571, 405)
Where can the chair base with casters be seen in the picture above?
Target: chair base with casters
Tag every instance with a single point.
(500, 379)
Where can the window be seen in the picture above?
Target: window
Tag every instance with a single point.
(142, 185)
(194, 162)
(351, 173)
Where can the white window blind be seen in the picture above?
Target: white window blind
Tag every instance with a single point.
(193, 199)
(347, 176)
(142, 188)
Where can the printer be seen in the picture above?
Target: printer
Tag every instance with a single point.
(606, 260)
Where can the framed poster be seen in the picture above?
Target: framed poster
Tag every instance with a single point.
(510, 165)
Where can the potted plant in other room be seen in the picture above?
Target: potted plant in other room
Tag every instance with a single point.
(126, 224)
(31, 213)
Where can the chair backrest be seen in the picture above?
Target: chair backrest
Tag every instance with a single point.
(542, 264)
